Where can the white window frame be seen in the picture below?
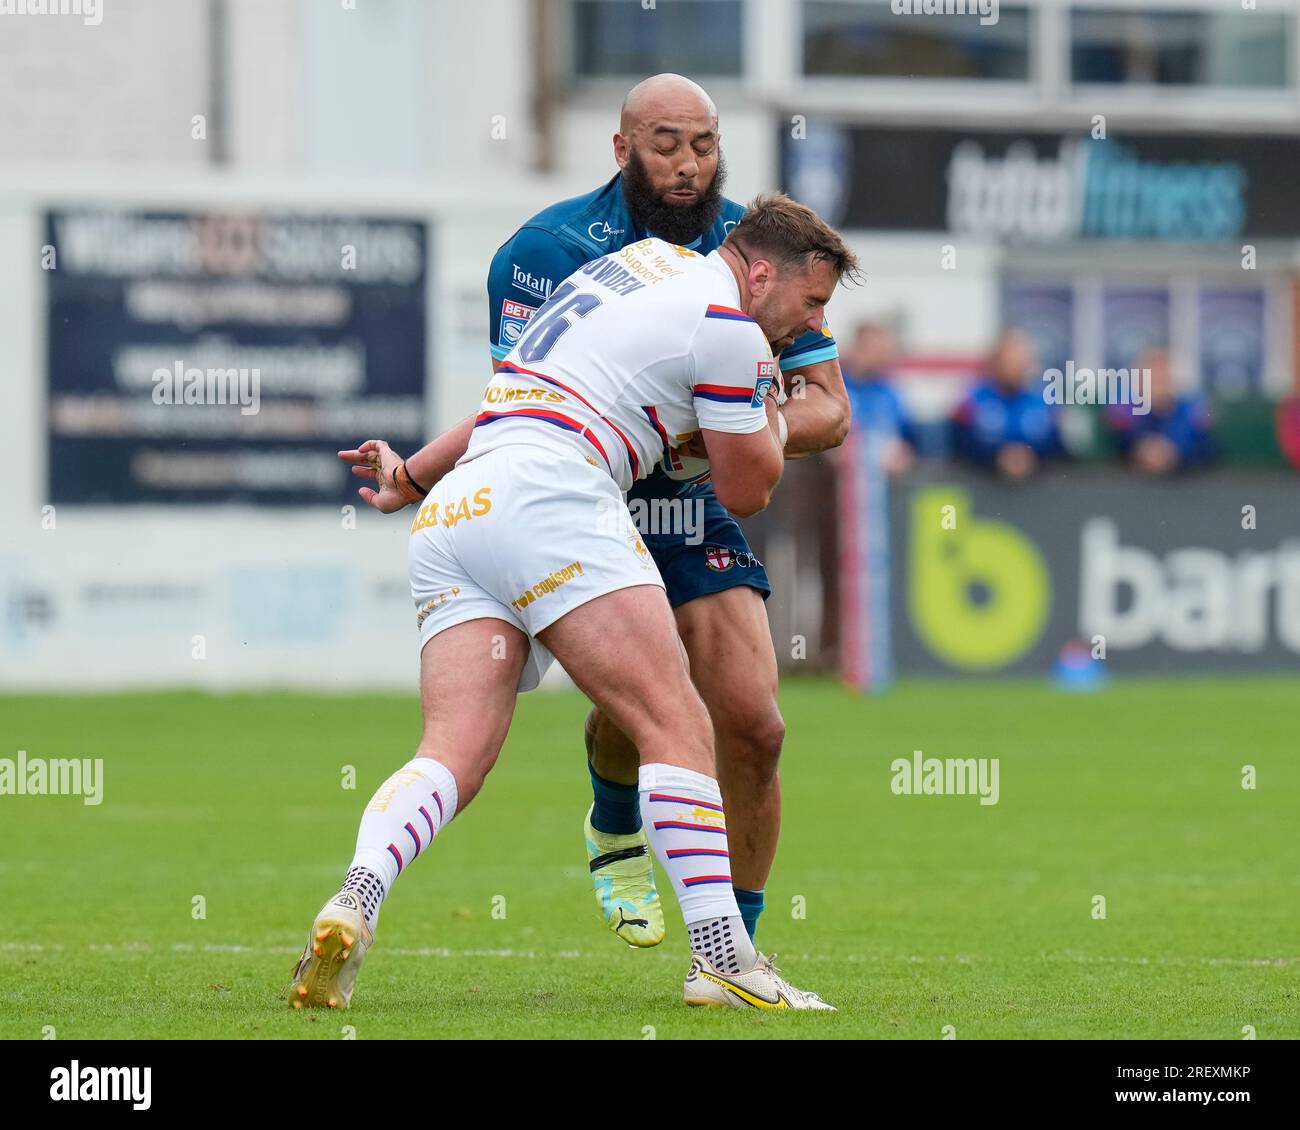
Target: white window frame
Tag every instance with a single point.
(900, 98)
(582, 86)
(1048, 99)
(1254, 108)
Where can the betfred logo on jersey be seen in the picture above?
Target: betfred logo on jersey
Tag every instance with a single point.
(766, 378)
(514, 318)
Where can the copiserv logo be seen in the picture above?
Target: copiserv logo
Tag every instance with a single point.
(1092, 190)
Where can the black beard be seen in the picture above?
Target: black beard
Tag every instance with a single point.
(677, 223)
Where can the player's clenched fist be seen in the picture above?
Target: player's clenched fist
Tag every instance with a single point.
(693, 446)
(376, 461)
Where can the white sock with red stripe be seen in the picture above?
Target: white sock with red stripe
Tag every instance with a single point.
(681, 811)
(400, 822)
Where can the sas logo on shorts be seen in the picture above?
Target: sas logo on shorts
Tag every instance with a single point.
(766, 378)
(514, 319)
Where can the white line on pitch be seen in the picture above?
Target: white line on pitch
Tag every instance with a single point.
(578, 955)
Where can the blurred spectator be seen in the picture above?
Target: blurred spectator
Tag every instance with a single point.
(1174, 435)
(877, 408)
(1004, 422)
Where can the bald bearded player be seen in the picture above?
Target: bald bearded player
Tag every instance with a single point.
(669, 185)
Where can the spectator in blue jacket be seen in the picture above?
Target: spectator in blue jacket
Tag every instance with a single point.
(1005, 422)
(1177, 433)
(877, 409)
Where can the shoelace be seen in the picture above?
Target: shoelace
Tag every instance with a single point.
(770, 963)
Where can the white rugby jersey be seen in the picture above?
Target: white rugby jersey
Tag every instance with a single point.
(628, 356)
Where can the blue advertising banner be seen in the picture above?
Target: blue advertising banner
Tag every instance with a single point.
(1046, 313)
(207, 357)
(1233, 340)
(1136, 320)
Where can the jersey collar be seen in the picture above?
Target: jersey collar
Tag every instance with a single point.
(718, 263)
(689, 246)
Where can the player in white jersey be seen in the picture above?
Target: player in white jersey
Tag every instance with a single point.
(525, 551)
(663, 349)
(642, 344)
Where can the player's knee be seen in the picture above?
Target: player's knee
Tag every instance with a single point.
(751, 740)
(677, 726)
(607, 744)
(469, 767)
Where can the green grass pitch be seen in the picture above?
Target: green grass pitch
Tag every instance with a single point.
(918, 912)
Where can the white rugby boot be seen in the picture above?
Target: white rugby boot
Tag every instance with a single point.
(336, 947)
(760, 987)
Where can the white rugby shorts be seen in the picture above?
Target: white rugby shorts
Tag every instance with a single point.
(522, 534)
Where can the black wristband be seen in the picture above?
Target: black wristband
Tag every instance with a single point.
(407, 487)
(422, 489)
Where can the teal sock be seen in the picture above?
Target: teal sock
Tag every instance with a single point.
(618, 807)
(751, 906)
